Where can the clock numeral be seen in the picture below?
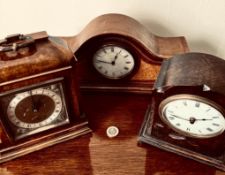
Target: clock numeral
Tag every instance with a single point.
(208, 110)
(112, 49)
(209, 129)
(126, 56)
(106, 72)
(177, 124)
(126, 68)
(104, 50)
(197, 104)
(171, 118)
(199, 131)
(128, 62)
(100, 67)
(188, 129)
(215, 117)
(185, 103)
(170, 111)
(57, 110)
(215, 124)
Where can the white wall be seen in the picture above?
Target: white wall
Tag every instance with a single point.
(202, 22)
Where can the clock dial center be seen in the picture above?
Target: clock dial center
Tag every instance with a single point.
(192, 120)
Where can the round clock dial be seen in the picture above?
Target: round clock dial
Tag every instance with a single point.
(34, 108)
(113, 62)
(192, 116)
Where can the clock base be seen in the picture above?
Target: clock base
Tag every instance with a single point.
(145, 137)
(43, 142)
(134, 87)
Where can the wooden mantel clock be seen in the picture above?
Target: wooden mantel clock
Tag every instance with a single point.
(187, 111)
(39, 98)
(117, 53)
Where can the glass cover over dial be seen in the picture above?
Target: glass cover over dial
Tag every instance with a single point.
(192, 116)
(34, 108)
(113, 62)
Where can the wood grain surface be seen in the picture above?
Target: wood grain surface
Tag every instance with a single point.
(96, 154)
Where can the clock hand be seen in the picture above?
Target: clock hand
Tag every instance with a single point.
(34, 106)
(116, 56)
(179, 117)
(193, 119)
(104, 62)
(204, 119)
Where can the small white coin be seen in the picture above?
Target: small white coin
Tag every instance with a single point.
(112, 131)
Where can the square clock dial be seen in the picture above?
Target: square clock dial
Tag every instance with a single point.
(34, 109)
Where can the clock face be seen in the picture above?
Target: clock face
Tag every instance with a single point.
(34, 109)
(192, 116)
(113, 62)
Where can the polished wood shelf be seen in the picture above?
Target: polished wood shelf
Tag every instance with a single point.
(96, 154)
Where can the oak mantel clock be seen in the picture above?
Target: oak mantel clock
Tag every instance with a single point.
(39, 98)
(187, 112)
(117, 53)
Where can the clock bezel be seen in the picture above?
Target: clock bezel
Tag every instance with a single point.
(11, 128)
(201, 99)
(122, 47)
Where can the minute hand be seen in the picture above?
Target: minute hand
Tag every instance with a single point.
(103, 61)
(179, 117)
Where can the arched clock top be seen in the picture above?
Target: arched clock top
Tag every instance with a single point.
(195, 69)
(122, 26)
(116, 52)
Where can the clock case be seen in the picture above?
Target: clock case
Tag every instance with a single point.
(148, 50)
(32, 61)
(195, 74)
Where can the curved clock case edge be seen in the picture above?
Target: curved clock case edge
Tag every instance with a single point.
(195, 74)
(148, 50)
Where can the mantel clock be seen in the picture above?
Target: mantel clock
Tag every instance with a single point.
(117, 53)
(39, 97)
(187, 111)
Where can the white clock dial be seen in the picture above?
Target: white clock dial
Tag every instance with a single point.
(34, 108)
(113, 62)
(192, 116)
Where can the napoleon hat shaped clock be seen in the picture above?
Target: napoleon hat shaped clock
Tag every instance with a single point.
(187, 115)
(117, 53)
(39, 101)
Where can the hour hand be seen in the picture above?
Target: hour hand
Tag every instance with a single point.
(204, 119)
(116, 56)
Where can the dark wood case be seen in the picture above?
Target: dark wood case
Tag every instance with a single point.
(192, 73)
